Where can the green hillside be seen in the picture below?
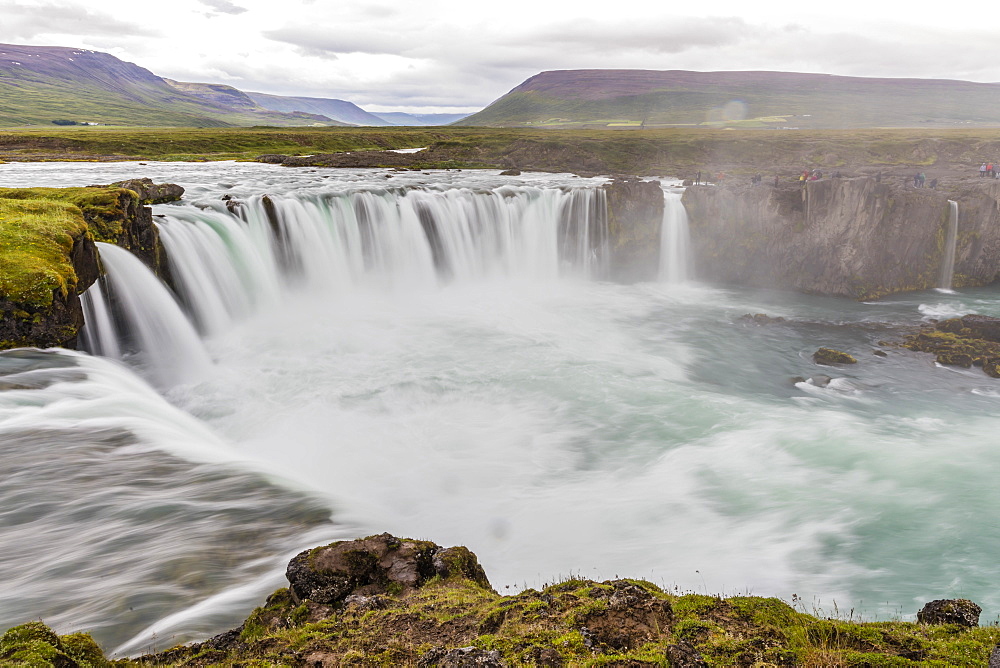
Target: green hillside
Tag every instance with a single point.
(39, 85)
(644, 98)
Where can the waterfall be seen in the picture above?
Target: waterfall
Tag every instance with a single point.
(948, 259)
(226, 266)
(674, 241)
(147, 321)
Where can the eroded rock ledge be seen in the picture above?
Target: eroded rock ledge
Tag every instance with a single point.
(47, 241)
(393, 601)
(856, 237)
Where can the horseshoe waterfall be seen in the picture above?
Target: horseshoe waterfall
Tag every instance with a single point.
(336, 353)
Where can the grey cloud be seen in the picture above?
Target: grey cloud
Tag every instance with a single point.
(24, 22)
(224, 6)
(325, 42)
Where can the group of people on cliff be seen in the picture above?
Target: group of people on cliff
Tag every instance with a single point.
(988, 169)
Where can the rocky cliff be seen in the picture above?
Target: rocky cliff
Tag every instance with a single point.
(853, 237)
(635, 216)
(47, 241)
(387, 601)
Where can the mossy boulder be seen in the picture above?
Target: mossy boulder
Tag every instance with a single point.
(375, 565)
(35, 644)
(959, 611)
(831, 357)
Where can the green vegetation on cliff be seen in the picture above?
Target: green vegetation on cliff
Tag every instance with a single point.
(385, 601)
(104, 208)
(36, 241)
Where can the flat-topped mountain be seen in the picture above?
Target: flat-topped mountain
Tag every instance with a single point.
(341, 110)
(648, 98)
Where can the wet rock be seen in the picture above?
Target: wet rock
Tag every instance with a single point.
(959, 611)
(376, 565)
(462, 657)
(149, 192)
(272, 158)
(819, 380)
(962, 342)
(760, 318)
(831, 357)
(511, 172)
(880, 353)
(635, 216)
(684, 655)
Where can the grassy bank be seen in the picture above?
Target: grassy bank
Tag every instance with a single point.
(638, 151)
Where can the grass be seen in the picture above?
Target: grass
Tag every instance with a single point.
(629, 149)
(36, 239)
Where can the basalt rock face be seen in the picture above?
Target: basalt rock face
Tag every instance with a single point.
(842, 237)
(635, 216)
(151, 193)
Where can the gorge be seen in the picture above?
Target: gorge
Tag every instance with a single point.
(442, 355)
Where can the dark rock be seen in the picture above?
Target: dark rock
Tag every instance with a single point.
(978, 326)
(830, 357)
(796, 379)
(511, 172)
(684, 655)
(959, 611)
(819, 380)
(635, 216)
(760, 318)
(272, 158)
(994, 658)
(631, 617)
(880, 353)
(376, 565)
(462, 657)
(151, 193)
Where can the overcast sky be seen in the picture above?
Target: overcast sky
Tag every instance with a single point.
(446, 55)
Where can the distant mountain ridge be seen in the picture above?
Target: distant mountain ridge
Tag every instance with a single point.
(651, 98)
(40, 85)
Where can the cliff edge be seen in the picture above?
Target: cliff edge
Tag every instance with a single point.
(851, 237)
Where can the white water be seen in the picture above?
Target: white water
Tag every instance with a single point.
(506, 399)
(674, 241)
(948, 257)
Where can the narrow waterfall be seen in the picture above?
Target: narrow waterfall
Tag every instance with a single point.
(675, 241)
(226, 266)
(948, 259)
(147, 321)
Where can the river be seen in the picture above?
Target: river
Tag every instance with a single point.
(515, 402)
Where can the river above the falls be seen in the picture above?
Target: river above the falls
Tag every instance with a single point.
(555, 423)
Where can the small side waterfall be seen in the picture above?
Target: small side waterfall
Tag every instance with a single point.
(147, 321)
(948, 258)
(675, 241)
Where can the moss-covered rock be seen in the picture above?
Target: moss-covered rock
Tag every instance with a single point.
(48, 256)
(972, 340)
(34, 644)
(455, 619)
(831, 357)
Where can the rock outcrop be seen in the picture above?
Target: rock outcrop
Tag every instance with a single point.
(635, 216)
(47, 237)
(972, 340)
(383, 600)
(854, 237)
(959, 611)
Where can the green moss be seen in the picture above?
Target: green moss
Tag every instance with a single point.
(36, 241)
(104, 209)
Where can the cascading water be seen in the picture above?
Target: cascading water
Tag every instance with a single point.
(150, 323)
(423, 359)
(675, 240)
(948, 256)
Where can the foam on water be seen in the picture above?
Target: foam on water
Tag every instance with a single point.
(514, 403)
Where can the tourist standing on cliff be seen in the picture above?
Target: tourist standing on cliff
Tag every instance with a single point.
(982, 170)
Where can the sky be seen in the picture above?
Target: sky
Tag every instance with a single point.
(458, 56)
